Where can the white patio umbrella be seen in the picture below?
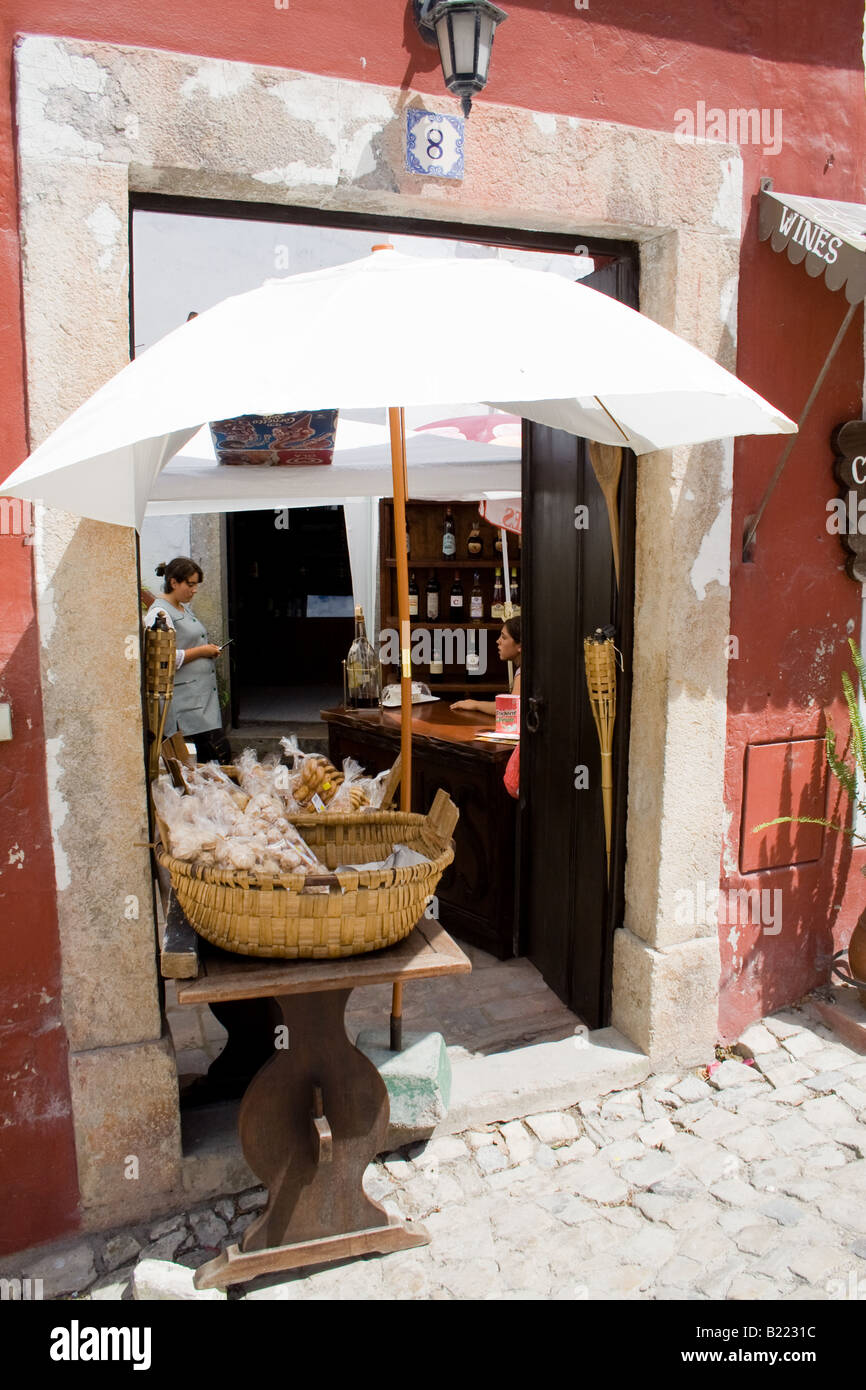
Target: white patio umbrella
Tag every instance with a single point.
(382, 329)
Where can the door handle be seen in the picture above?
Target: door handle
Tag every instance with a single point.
(534, 707)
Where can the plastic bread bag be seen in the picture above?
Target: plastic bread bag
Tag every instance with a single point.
(191, 835)
(211, 774)
(291, 751)
(317, 779)
(265, 818)
(257, 776)
(354, 793)
(376, 789)
(209, 827)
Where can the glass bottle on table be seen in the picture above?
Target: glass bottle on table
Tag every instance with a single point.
(362, 669)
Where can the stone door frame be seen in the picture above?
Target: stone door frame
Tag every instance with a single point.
(98, 122)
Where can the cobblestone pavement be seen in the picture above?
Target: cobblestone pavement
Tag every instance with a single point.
(746, 1185)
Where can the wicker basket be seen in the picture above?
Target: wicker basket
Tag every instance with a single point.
(276, 915)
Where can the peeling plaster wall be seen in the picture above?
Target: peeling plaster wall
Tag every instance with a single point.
(97, 121)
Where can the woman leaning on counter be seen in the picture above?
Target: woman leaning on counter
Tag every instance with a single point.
(195, 705)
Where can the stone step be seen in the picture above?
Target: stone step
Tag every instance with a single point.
(546, 1076)
(844, 1013)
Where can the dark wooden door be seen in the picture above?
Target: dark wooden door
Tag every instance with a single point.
(568, 911)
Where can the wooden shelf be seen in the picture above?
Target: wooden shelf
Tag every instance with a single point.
(444, 564)
(425, 529)
(471, 624)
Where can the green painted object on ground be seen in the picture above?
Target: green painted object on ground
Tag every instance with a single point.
(418, 1078)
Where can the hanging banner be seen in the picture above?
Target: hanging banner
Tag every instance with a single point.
(505, 513)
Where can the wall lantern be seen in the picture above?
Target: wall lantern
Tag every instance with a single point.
(463, 30)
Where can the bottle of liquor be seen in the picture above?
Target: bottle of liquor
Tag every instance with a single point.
(497, 544)
(413, 596)
(497, 610)
(362, 669)
(515, 593)
(476, 601)
(456, 603)
(432, 598)
(475, 544)
(473, 663)
(408, 546)
(436, 668)
(449, 539)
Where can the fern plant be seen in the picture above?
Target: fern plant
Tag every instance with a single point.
(847, 776)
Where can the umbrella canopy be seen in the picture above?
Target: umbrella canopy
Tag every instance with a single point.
(383, 329)
(502, 430)
(439, 469)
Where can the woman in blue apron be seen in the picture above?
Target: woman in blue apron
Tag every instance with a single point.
(195, 705)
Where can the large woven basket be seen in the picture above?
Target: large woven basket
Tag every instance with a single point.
(277, 915)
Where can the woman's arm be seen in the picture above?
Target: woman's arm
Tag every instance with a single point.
(197, 653)
(481, 706)
(515, 689)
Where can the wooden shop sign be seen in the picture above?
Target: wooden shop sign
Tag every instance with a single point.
(846, 515)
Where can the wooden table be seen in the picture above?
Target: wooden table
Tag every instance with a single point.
(477, 894)
(316, 1113)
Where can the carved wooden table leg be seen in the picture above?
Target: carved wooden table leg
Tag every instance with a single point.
(311, 1121)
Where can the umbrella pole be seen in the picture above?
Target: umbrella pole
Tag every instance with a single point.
(398, 470)
(506, 584)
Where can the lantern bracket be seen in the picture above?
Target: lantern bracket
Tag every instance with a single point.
(423, 11)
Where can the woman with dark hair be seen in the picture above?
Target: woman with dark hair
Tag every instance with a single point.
(508, 645)
(195, 705)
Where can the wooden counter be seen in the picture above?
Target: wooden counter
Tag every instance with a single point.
(477, 893)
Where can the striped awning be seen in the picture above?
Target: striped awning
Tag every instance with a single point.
(827, 237)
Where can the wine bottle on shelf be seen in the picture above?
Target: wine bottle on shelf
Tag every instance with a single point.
(514, 593)
(497, 609)
(475, 545)
(497, 544)
(476, 600)
(456, 603)
(449, 539)
(362, 669)
(436, 668)
(432, 598)
(408, 545)
(473, 662)
(413, 596)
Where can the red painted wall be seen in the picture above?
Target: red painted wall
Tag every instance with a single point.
(621, 61)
